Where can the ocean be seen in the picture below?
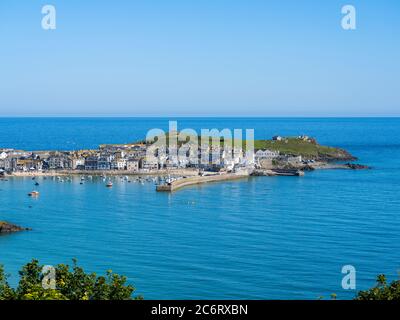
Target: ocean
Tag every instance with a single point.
(261, 238)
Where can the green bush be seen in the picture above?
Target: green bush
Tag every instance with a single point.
(382, 290)
(71, 283)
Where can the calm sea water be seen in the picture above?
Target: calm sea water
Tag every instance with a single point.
(264, 238)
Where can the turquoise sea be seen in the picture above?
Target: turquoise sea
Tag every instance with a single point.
(264, 238)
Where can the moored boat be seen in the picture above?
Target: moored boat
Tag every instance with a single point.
(33, 194)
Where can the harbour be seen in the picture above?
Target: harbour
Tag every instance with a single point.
(266, 233)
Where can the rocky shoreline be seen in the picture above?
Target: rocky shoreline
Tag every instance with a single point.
(6, 228)
(332, 165)
(300, 169)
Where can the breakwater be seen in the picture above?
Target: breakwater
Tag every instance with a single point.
(180, 183)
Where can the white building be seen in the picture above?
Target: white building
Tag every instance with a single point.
(149, 164)
(104, 163)
(294, 159)
(118, 164)
(57, 162)
(132, 165)
(266, 154)
(78, 163)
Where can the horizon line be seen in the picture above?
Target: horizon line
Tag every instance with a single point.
(197, 116)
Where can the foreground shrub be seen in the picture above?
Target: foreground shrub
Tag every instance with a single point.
(382, 290)
(71, 283)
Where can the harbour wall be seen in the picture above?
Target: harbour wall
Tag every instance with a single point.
(177, 184)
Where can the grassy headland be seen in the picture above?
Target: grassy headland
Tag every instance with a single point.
(308, 148)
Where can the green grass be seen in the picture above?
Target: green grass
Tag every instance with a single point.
(296, 147)
(287, 146)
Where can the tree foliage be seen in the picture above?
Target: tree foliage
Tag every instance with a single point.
(382, 291)
(71, 283)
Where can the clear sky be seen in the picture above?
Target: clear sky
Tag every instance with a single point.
(204, 57)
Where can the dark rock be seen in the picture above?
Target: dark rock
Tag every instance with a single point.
(338, 155)
(356, 166)
(6, 227)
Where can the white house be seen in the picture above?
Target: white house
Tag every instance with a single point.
(266, 154)
(104, 163)
(78, 163)
(118, 164)
(149, 164)
(132, 165)
(294, 159)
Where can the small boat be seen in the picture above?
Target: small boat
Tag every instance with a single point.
(109, 184)
(37, 183)
(169, 180)
(33, 194)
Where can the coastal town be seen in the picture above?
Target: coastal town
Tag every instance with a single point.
(191, 164)
(133, 158)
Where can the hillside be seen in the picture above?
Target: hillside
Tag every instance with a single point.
(308, 148)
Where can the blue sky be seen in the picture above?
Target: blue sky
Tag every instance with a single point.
(208, 57)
